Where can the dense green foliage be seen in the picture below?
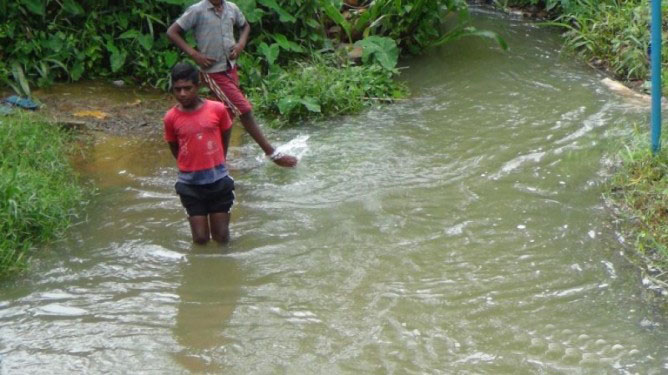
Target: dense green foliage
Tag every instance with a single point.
(38, 192)
(640, 189)
(72, 39)
(319, 89)
(615, 32)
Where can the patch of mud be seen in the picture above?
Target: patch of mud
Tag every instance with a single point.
(100, 106)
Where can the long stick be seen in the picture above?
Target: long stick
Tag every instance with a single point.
(219, 93)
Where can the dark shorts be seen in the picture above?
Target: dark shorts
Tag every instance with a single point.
(201, 200)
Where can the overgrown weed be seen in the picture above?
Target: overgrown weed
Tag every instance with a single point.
(639, 189)
(322, 88)
(39, 192)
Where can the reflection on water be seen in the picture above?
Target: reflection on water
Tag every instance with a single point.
(209, 290)
(458, 232)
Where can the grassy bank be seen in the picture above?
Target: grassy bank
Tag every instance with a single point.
(639, 189)
(39, 193)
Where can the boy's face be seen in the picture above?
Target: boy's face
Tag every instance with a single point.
(185, 92)
(215, 2)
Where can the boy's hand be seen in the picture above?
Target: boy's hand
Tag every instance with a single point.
(287, 161)
(203, 60)
(236, 51)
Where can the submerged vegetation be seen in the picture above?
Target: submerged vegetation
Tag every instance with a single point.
(39, 193)
(640, 190)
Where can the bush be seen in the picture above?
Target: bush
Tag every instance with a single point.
(321, 89)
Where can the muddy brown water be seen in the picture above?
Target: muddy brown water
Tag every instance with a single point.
(459, 232)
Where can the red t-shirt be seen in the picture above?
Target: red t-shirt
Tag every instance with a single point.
(199, 135)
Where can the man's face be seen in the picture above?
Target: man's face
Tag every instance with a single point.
(185, 92)
(215, 2)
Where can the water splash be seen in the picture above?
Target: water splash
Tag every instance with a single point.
(297, 147)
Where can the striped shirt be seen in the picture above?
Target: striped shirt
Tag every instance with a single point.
(214, 32)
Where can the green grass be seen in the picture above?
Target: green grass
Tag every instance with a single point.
(640, 190)
(39, 192)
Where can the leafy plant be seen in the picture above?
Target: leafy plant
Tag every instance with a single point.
(321, 88)
(382, 50)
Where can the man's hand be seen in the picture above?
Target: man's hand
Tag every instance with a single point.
(236, 51)
(203, 60)
(287, 161)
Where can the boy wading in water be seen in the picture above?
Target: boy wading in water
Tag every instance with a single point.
(213, 23)
(198, 133)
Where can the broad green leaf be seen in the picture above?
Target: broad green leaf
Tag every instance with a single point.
(333, 13)
(283, 41)
(250, 10)
(72, 7)
(311, 104)
(77, 71)
(170, 58)
(35, 6)
(283, 15)
(270, 53)
(55, 43)
(122, 20)
(146, 41)
(383, 50)
(116, 57)
(117, 60)
(287, 103)
(313, 23)
(130, 34)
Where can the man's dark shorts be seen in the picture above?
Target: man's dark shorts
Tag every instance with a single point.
(201, 200)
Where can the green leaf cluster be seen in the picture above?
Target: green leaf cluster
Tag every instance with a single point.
(322, 88)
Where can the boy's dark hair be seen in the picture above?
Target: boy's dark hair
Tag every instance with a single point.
(185, 71)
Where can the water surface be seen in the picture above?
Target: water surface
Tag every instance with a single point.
(459, 231)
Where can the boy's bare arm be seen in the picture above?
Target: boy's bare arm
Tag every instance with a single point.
(174, 148)
(226, 140)
(174, 34)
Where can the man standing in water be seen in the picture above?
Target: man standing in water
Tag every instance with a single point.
(213, 23)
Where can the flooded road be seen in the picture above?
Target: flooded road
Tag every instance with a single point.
(461, 231)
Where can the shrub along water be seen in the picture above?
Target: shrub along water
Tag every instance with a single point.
(39, 193)
(640, 189)
(321, 88)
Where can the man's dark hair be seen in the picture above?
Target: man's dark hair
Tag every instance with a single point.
(185, 71)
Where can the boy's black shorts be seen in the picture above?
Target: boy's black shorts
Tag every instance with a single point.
(201, 200)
